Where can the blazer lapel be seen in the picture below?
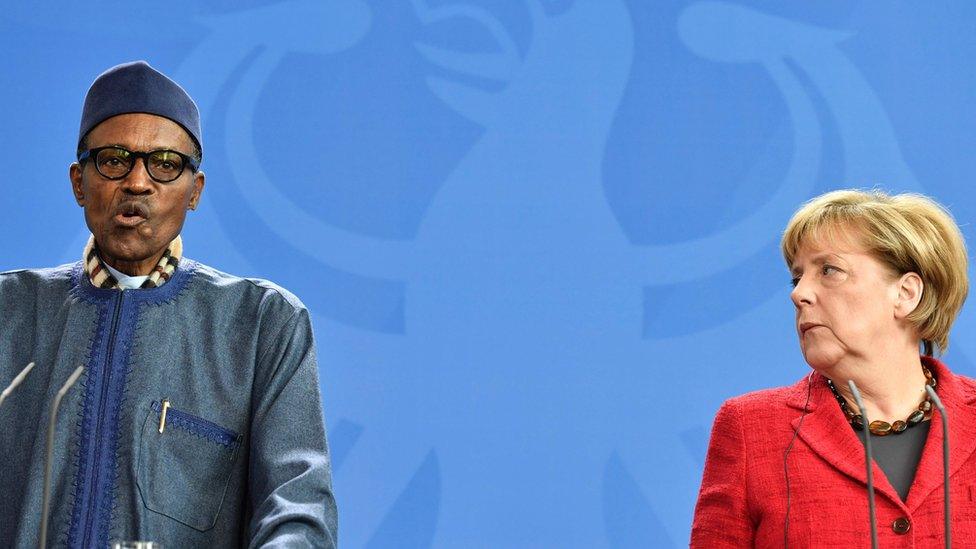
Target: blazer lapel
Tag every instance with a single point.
(958, 400)
(826, 431)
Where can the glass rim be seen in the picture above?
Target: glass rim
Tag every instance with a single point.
(187, 160)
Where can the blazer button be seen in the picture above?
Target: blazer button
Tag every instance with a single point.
(901, 525)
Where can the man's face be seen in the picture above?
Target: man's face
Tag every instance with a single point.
(135, 218)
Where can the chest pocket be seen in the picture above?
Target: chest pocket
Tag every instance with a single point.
(183, 472)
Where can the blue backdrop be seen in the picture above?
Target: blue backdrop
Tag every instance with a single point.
(539, 238)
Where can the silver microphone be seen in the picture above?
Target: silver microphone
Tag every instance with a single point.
(42, 537)
(867, 452)
(18, 379)
(945, 459)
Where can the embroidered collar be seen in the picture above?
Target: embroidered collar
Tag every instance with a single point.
(100, 277)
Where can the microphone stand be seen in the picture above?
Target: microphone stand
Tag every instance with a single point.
(42, 538)
(867, 453)
(945, 459)
(18, 379)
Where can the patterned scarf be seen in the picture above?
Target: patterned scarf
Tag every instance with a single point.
(101, 277)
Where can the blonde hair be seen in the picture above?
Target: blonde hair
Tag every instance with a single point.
(910, 233)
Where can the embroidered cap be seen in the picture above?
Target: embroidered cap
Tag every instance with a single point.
(138, 88)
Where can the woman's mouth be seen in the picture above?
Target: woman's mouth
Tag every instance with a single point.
(807, 326)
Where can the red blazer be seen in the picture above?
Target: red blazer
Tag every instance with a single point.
(743, 498)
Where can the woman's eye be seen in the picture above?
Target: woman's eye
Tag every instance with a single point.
(828, 270)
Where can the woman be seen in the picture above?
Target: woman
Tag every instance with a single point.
(875, 278)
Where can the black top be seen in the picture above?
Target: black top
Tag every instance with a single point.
(898, 455)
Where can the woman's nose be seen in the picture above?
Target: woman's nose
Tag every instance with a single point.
(801, 293)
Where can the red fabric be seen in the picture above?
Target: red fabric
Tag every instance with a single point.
(742, 501)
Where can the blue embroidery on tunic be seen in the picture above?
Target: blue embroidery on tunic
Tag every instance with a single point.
(105, 378)
(92, 380)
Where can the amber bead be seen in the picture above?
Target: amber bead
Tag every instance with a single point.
(898, 426)
(880, 428)
(925, 406)
(916, 418)
(858, 422)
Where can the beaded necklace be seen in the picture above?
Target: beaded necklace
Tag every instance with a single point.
(883, 428)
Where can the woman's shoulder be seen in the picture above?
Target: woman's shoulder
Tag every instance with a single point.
(761, 419)
(959, 385)
(771, 401)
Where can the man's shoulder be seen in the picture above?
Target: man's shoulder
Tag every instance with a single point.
(258, 291)
(34, 278)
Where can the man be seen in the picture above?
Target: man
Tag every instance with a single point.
(198, 420)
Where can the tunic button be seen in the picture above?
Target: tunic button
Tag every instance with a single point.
(901, 525)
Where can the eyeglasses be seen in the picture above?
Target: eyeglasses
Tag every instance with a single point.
(163, 165)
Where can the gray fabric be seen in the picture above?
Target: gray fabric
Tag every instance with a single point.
(136, 87)
(898, 456)
(238, 353)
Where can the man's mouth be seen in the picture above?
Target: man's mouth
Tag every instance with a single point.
(131, 214)
(128, 220)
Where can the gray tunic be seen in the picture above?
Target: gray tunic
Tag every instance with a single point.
(242, 460)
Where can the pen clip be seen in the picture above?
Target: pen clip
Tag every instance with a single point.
(162, 416)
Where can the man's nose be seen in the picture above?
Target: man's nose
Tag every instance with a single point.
(137, 181)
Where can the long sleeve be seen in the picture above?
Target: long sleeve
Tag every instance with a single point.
(721, 515)
(290, 488)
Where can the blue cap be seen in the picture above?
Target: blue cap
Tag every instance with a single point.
(138, 88)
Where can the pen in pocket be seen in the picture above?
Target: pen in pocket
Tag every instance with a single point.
(162, 415)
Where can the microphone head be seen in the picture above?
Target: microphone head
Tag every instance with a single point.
(857, 397)
(935, 398)
(18, 379)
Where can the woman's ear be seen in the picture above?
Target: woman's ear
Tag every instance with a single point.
(910, 289)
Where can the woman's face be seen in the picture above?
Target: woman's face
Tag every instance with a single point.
(846, 301)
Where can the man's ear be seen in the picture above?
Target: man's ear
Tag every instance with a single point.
(77, 186)
(199, 180)
(910, 288)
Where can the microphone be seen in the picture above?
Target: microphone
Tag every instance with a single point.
(945, 459)
(17, 381)
(867, 452)
(786, 465)
(42, 538)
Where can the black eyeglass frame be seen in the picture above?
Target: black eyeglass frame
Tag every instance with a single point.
(92, 154)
